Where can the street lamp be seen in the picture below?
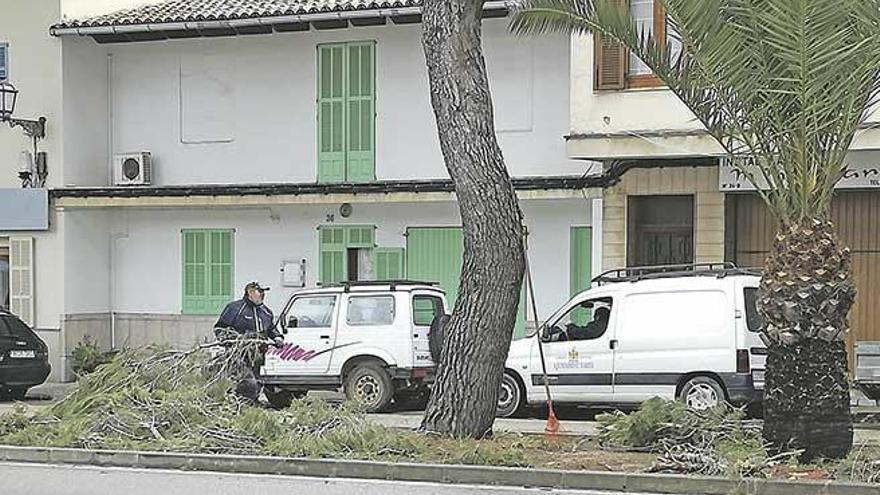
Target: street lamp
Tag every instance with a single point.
(34, 129)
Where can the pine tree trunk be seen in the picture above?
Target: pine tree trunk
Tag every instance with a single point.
(477, 337)
(806, 294)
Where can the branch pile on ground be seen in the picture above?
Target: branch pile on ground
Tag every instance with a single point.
(862, 465)
(713, 442)
(166, 400)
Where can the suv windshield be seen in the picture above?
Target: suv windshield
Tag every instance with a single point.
(753, 318)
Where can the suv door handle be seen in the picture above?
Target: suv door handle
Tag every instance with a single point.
(325, 337)
(612, 344)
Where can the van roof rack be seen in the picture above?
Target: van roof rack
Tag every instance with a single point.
(380, 283)
(637, 273)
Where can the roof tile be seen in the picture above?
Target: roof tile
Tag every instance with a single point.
(211, 10)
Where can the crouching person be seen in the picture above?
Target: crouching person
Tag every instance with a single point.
(249, 317)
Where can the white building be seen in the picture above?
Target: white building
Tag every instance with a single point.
(284, 133)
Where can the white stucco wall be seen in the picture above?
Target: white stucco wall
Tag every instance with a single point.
(86, 261)
(148, 255)
(272, 84)
(85, 106)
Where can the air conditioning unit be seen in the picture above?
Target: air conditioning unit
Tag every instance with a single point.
(133, 169)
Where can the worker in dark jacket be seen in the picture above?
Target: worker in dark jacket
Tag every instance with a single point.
(249, 317)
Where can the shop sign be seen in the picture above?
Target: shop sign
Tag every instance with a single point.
(862, 172)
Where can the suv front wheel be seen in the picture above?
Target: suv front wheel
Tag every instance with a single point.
(369, 385)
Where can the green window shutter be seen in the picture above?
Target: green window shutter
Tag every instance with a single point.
(331, 112)
(220, 268)
(580, 266)
(332, 252)
(207, 270)
(389, 263)
(361, 115)
(195, 269)
(360, 237)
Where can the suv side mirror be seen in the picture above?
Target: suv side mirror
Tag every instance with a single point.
(292, 322)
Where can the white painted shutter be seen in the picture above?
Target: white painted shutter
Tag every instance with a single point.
(21, 278)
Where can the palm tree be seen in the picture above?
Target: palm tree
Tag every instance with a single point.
(783, 86)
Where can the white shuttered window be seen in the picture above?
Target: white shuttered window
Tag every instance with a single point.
(21, 278)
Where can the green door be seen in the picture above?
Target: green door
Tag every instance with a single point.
(434, 254)
(580, 264)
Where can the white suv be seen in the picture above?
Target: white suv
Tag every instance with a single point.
(687, 332)
(370, 338)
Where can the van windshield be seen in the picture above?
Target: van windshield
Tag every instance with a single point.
(753, 318)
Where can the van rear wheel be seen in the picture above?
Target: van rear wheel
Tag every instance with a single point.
(369, 385)
(702, 393)
(510, 397)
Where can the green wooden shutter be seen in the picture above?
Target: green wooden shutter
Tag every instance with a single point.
(332, 252)
(361, 115)
(389, 263)
(207, 271)
(331, 112)
(195, 272)
(360, 237)
(220, 268)
(580, 266)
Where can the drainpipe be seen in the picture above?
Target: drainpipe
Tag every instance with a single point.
(110, 143)
(112, 305)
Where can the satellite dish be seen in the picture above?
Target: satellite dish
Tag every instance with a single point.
(345, 210)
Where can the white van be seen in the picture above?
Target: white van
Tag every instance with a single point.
(370, 338)
(689, 333)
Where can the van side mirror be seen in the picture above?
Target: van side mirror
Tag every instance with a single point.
(535, 331)
(292, 322)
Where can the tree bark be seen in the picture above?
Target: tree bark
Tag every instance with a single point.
(806, 294)
(477, 337)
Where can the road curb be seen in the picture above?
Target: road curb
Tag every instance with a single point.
(469, 475)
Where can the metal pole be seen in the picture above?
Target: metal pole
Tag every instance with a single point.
(552, 423)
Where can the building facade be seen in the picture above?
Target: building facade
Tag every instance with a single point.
(295, 147)
(678, 203)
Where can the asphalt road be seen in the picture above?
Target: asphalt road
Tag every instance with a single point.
(36, 479)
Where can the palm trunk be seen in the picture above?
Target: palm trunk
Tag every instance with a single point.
(806, 294)
(477, 337)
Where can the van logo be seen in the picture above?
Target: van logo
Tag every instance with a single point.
(291, 352)
(573, 354)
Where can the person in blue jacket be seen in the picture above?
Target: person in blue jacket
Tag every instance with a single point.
(249, 317)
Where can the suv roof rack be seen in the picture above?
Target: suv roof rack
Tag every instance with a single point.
(637, 273)
(378, 283)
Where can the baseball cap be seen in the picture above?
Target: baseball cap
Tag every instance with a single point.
(255, 285)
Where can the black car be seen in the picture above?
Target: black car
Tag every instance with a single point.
(24, 357)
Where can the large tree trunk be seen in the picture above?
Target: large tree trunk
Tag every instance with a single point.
(477, 337)
(806, 294)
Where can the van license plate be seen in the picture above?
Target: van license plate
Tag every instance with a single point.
(22, 354)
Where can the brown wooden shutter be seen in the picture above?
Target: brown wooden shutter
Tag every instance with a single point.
(609, 60)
